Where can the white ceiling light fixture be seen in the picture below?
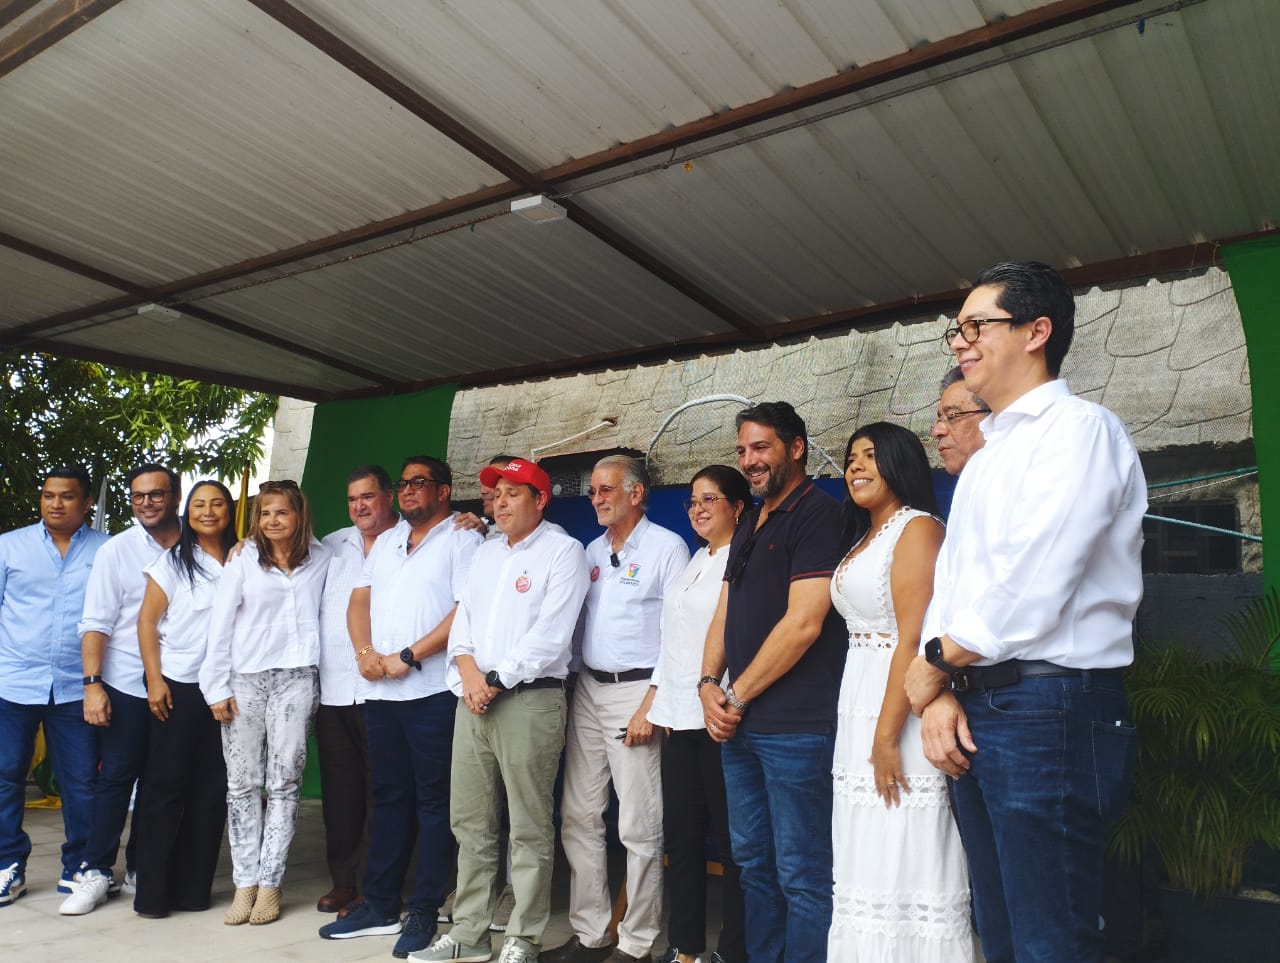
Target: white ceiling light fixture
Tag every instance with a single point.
(539, 209)
(158, 312)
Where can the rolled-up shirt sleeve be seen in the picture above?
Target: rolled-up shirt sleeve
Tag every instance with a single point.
(543, 643)
(102, 595)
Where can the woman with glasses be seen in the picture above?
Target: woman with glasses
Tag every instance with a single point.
(901, 881)
(260, 679)
(185, 805)
(693, 795)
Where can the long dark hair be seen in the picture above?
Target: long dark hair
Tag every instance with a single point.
(902, 463)
(730, 482)
(183, 554)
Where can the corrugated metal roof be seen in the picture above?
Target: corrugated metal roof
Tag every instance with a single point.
(164, 141)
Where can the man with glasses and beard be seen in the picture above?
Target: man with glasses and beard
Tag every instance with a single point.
(399, 617)
(784, 647)
(115, 692)
(610, 738)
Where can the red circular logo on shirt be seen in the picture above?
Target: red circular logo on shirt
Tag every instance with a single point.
(595, 573)
(523, 583)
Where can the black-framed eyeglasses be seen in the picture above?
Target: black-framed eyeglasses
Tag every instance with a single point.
(740, 562)
(417, 484)
(951, 416)
(971, 330)
(155, 495)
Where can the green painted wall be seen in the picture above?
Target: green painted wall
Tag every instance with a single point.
(1254, 267)
(366, 431)
(379, 431)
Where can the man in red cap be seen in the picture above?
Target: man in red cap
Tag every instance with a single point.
(508, 658)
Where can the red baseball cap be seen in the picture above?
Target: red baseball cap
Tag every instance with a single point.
(520, 471)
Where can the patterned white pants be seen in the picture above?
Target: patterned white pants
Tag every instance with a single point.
(266, 742)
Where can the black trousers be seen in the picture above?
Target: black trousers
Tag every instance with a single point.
(693, 800)
(344, 791)
(184, 808)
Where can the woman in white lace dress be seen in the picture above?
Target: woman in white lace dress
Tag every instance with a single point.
(901, 882)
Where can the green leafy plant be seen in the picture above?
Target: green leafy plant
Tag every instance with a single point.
(1207, 784)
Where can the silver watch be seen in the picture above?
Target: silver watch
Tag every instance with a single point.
(731, 697)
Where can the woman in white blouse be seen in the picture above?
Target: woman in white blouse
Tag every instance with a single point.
(260, 679)
(185, 807)
(693, 795)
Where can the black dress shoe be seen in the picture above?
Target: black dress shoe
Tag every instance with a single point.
(574, 952)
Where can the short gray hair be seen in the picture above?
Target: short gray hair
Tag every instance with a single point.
(633, 473)
(952, 377)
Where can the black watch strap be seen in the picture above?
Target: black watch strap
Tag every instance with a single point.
(492, 680)
(406, 656)
(933, 655)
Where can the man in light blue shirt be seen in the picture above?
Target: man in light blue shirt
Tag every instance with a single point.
(43, 572)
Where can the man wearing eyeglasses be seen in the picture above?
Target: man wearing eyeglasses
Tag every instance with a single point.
(784, 647)
(341, 744)
(1030, 625)
(399, 618)
(956, 429)
(115, 693)
(610, 737)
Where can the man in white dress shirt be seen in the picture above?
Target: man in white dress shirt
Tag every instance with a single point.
(115, 693)
(509, 653)
(341, 743)
(399, 618)
(610, 737)
(1031, 624)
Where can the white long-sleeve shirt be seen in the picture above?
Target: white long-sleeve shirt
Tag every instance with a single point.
(623, 625)
(112, 600)
(1043, 554)
(519, 608)
(339, 673)
(263, 619)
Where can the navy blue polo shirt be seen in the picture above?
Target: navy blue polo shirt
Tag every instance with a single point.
(799, 540)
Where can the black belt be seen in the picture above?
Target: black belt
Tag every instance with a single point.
(980, 678)
(631, 675)
(546, 682)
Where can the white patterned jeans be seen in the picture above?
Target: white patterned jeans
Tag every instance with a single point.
(266, 742)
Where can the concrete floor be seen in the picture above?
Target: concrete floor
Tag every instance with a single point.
(32, 930)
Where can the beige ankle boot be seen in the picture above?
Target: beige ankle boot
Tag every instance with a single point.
(241, 905)
(266, 908)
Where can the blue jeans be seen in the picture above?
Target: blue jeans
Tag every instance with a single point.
(73, 750)
(123, 745)
(779, 790)
(1053, 768)
(410, 749)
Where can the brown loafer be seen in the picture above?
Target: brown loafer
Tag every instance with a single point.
(335, 899)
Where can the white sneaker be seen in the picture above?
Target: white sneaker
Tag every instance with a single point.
(89, 895)
(513, 951)
(130, 882)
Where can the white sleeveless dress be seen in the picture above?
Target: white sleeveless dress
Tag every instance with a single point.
(901, 880)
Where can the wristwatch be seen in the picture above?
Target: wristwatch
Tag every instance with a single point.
(708, 680)
(732, 698)
(406, 656)
(492, 681)
(933, 655)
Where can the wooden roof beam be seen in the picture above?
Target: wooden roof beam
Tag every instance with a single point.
(45, 28)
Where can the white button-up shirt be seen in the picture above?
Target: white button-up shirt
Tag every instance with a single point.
(410, 594)
(1043, 554)
(623, 628)
(263, 619)
(519, 608)
(338, 670)
(112, 601)
(184, 627)
(687, 610)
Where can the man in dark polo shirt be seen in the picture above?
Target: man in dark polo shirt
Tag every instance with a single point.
(784, 648)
